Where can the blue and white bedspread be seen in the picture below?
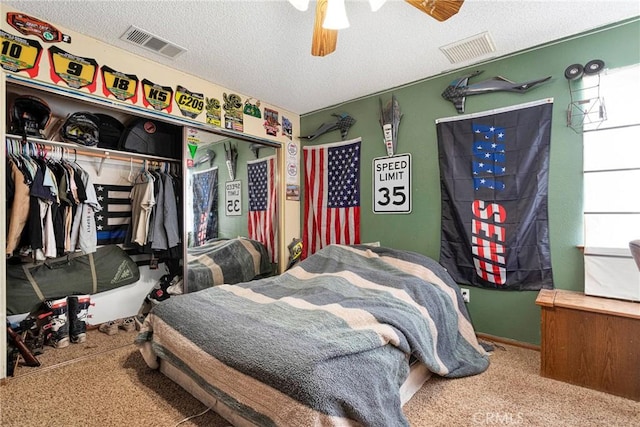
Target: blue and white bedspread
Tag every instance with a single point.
(326, 343)
(227, 261)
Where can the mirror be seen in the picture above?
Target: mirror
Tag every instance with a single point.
(230, 210)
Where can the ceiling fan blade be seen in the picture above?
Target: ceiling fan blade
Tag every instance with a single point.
(324, 41)
(438, 9)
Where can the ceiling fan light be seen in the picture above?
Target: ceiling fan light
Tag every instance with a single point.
(336, 17)
(376, 4)
(301, 5)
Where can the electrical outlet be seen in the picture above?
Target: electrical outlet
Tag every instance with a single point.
(465, 294)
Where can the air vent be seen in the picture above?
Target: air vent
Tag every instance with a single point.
(470, 48)
(154, 43)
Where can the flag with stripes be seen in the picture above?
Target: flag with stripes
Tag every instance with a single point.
(204, 186)
(113, 220)
(494, 171)
(263, 213)
(331, 195)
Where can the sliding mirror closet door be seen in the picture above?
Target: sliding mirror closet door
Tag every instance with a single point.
(230, 210)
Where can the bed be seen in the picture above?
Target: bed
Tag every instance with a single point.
(226, 261)
(328, 342)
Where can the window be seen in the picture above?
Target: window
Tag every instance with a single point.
(612, 178)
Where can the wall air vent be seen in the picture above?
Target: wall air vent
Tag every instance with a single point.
(470, 48)
(156, 44)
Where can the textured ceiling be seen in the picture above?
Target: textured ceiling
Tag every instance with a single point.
(263, 48)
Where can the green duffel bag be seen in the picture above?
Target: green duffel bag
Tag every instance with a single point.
(30, 284)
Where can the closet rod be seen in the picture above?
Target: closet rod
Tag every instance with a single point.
(94, 152)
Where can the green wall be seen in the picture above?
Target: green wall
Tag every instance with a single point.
(507, 314)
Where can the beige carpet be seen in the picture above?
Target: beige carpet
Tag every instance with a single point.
(97, 342)
(115, 388)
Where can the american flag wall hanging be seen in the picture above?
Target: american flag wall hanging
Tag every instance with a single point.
(331, 195)
(263, 206)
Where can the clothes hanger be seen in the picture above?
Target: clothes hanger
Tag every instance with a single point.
(130, 177)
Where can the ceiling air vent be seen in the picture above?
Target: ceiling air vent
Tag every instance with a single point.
(156, 44)
(470, 48)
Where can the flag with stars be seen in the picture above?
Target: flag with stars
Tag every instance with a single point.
(331, 195)
(113, 220)
(204, 185)
(494, 169)
(263, 212)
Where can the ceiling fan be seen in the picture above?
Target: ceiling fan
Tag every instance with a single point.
(331, 16)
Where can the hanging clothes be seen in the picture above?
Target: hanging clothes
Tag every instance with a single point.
(59, 212)
(157, 234)
(142, 201)
(154, 213)
(19, 206)
(50, 203)
(171, 214)
(43, 196)
(83, 230)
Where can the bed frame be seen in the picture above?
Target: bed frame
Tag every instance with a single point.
(418, 376)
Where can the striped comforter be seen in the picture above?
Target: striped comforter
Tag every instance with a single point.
(326, 343)
(226, 261)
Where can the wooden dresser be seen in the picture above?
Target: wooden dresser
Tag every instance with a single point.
(591, 342)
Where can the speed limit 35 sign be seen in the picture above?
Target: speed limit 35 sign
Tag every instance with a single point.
(233, 198)
(392, 184)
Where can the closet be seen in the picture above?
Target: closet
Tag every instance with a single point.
(112, 178)
(102, 221)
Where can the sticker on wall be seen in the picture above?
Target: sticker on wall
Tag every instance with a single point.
(213, 111)
(293, 192)
(233, 112)
(292, 149)
(30, 26)
(20, 54)
(252, 110)
(192, 144)
(156, 96)
(271, 121)
(190, 104)
(292, 178)
(76, 71)
(120, 85)
(287, 127)
(292, 170)
(293, 159)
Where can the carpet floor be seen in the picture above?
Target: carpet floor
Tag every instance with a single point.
(114, 387)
